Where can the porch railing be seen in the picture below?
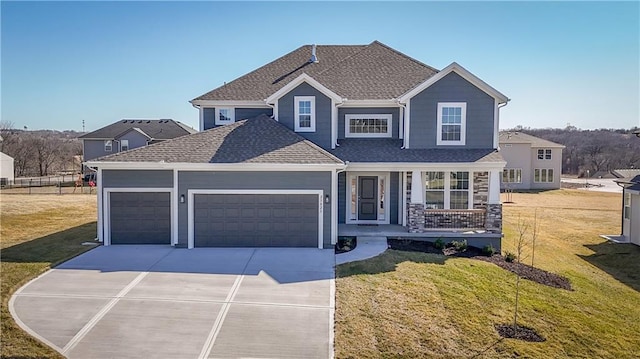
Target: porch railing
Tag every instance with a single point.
(455, 218)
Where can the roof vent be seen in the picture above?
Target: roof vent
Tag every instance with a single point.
(314, 58)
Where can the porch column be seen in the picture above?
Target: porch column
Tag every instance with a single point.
(494, 187)
(416, 207)
(494, 207)
(416, 187)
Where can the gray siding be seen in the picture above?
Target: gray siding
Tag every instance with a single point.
(137, 178)
(244, 113)
(253, 180)
(518, 155)
(452, 88)
(95, 148)
(286, 112)
(209, 116)
(136, 139)
(393, 197)
(554, 163)
(394, 111)
(342, 196)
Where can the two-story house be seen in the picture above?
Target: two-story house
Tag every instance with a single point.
(532, 162)
(127, 134)
(322, 138)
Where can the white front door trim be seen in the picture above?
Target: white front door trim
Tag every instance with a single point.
(381, 175)
(192, 192)
(106, 209)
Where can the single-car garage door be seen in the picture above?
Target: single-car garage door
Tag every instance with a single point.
(256, 220)
(140, 217)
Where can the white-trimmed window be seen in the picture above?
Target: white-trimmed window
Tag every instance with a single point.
(225, 115)
(544, 154)
(379, 125)
(448, 190)
(627, 206)
(512, 175)
(108, 146)
(543, 175)
(452, 120)
(305, 113)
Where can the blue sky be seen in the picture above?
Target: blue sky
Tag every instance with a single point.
(65, 62)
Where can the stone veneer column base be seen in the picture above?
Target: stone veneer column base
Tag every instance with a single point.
(494, 218)
(415, 220)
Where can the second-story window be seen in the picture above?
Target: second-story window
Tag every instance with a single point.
(305, 114)
(124, 145)
(544, 154)
(452, 120)
(368, 125)
(108, 147)
(225, 116)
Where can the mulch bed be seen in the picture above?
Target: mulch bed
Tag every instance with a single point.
(525, 271)
(521, 333)
(345, 244)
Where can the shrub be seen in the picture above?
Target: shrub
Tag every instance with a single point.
(438, 244)
(460, 246)
(488, 250)
(509, 257)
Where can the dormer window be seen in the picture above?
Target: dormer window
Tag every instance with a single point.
(225, 115)
(305, 113)
(452, 123)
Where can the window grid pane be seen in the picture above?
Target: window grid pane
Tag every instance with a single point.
(459, 200)
(368, 125)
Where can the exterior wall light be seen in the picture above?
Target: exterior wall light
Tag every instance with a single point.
(182, 198)
(327, 199)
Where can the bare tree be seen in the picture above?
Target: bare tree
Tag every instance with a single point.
(522, 229)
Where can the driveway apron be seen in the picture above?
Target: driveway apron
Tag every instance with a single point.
(161, 302)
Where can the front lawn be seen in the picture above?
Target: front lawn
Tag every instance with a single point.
(418, 305)
(38, 232)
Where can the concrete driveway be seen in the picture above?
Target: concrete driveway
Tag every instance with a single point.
(161, 302)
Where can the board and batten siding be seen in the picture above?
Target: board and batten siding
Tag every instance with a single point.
(137, 179)
(286, 113)
(188, 180)
(209, 115)
(393, 111)
(452, 88)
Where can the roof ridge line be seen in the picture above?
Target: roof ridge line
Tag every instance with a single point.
(364, 47)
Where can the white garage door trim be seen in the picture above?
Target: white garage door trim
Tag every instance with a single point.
(106, 209)
(192, 192)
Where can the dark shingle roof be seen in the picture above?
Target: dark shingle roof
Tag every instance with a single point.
(519, 137)
(390, 150)
(156, 129)
(257, 140)
(356, 72)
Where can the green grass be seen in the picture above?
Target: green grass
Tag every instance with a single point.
(32, 241)
(416, 305)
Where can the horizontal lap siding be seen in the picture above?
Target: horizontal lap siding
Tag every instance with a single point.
(137, 178)
(452, 88)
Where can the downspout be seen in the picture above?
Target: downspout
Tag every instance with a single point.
(622, 217)
(273, 109)
(404, 133)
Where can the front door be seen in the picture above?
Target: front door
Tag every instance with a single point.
(368, 198)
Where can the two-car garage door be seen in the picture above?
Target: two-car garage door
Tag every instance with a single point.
(218, 219)
(255, 220)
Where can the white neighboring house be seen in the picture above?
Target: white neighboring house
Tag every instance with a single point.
(6, 169)
(631, 209)
(532, 163)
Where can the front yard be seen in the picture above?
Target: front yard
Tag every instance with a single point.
(409, 304)
(417, 305)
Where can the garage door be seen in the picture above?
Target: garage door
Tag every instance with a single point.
(140, 217)
(255, 220)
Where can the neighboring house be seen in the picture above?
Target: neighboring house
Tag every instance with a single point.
(630, 209)
(6, 169)
(532, 163)
(323, 138)
(129, 134)
(625, 172)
